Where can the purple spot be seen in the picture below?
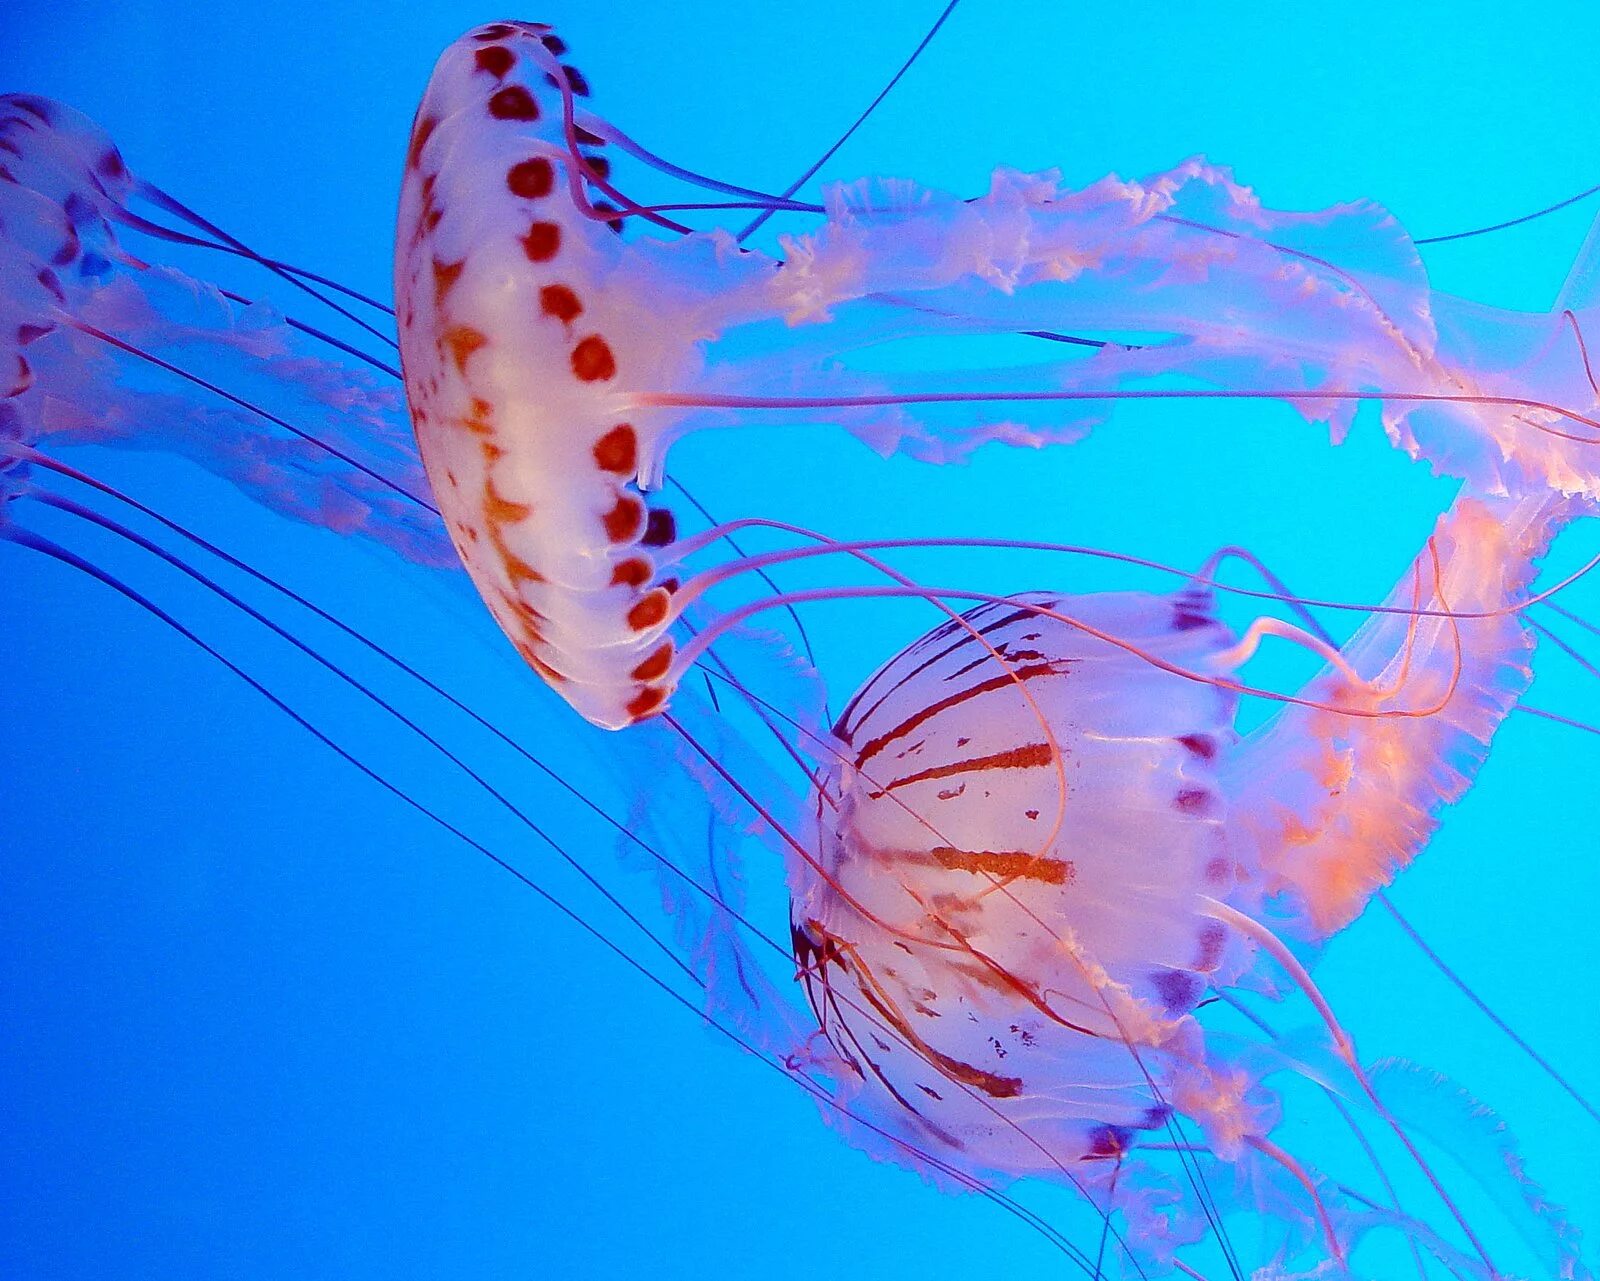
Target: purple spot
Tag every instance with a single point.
(1155, 1117)
(1109, 1140)
(1179, 990)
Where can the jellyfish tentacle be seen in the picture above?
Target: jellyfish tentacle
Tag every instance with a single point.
(832, 149)
(177, 237)
(1317, 699)
(1302, 1176)
(65, 280)
(1206, 576)
(300, 280)
(1526, 447)
(1481, 1142)
(1333, 1095)
(111, 340)
(583, 171)
(500, 797)
(1343, 1046)
(1468, 991)
(679, 551)
(603, 128)
(12, 533)
(1332, 797)
(1565, 646)
(298, 276)
(717, 896)
(1247, 645)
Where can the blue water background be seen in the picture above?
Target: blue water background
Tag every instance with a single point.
(262, 1021)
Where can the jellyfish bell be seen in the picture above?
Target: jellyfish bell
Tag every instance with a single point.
(897, 887)
(513, 326)
(1042, 843)
(1000, 782)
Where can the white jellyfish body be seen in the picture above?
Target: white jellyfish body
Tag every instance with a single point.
(1013, 840)
(1041, 844)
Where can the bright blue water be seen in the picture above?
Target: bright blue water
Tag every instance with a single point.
(264, 1022)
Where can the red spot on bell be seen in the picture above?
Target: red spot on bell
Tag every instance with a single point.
(419, 139)
(654, 667)
(592, 360)
(496, 60)
(445, 275)
(560, 302)
(648, 703)
(633, 572)
(651, 610)
(618, 451)
(623, 521)
(513, 103)
(531, 179)
(542, 241)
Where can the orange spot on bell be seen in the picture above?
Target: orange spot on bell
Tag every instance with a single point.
(500, 510)
(445, 275)
(518, 570)
(462, 341)
(526, 612)
(544, 669)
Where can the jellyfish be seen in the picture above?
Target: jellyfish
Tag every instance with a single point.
(1130, 642)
